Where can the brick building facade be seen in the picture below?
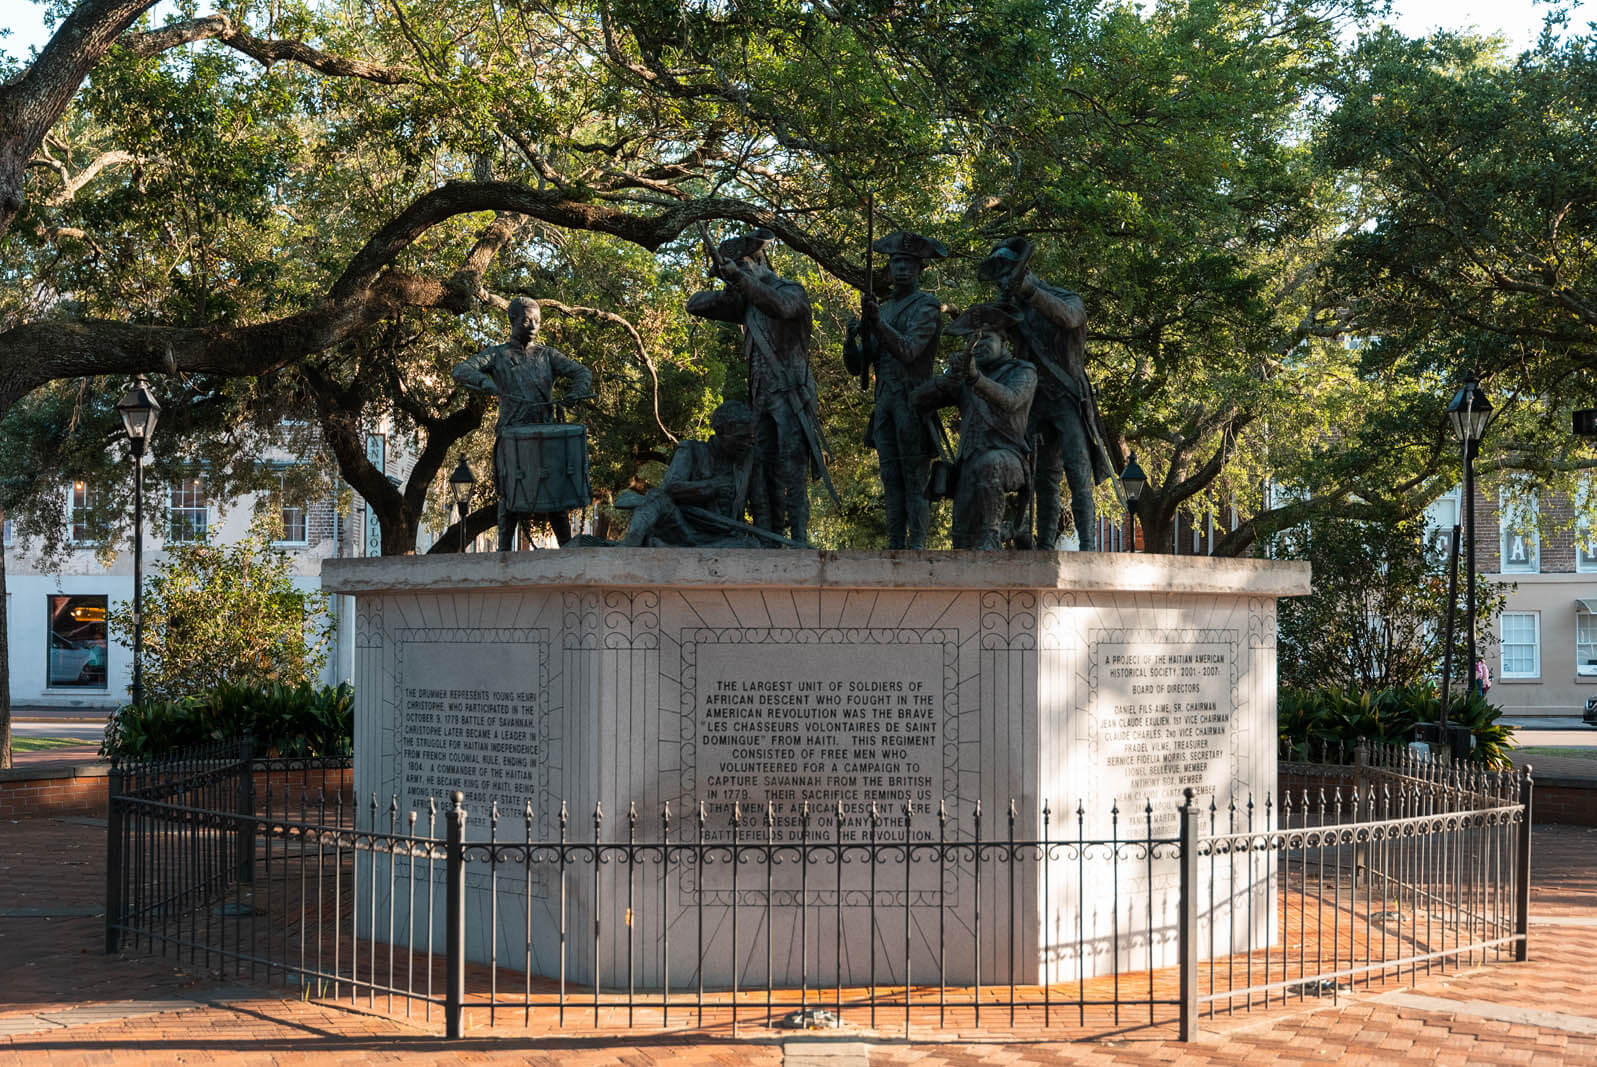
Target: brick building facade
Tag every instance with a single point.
(1543, 648)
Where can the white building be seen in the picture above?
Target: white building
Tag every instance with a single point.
(61, 651)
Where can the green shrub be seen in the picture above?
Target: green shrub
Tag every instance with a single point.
(1310, 718)
(220, 615)
(283, 720)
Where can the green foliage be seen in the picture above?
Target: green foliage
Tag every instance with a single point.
(284, 720)
(1473, 226)
(1312, 719)
(1157, 156)
(1375, 619)
(221, 615)
(1234, 187)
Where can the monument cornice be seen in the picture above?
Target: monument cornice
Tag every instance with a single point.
(732, 568)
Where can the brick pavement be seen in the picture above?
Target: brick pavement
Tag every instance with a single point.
(62, 1000)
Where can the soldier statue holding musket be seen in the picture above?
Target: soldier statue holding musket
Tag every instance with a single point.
(775, 315)
(994, 392)
(1064, 429)
(899, 339)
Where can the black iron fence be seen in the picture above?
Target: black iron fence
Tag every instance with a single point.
(1355, 873)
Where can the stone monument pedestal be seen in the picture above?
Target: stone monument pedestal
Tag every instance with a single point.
(1094, 687)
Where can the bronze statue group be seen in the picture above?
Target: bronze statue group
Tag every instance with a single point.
(1027, 417)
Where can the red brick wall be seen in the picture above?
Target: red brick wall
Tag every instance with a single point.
(43, 791)
(1564, 802)
(1557, 545)
(31, 792)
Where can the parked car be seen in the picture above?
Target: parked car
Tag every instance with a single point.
(76, 662)
(1590, 718)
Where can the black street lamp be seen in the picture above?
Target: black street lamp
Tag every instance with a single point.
(1133, 481)
(461, 484)
(1470, 413)
(139, 414)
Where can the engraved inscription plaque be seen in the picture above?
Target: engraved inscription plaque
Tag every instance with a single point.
(827, 723)
(476, 719)
(1164, 706)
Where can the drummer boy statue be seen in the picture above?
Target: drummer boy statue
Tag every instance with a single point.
(522, 374)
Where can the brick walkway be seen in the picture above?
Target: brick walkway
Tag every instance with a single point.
(63, 1000)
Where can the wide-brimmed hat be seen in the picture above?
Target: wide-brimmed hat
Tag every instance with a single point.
(736, 248)
(904, 243)
(1001, 260)
(990, 316)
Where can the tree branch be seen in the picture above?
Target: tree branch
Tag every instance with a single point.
(265, 52)
(637, 342)
(38, 352)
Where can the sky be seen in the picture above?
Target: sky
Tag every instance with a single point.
(1519, 20)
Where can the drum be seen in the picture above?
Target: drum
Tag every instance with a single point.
(543, 468)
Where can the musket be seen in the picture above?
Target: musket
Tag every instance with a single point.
(720, 521)
(1017, 277)
(868, 339)
(710, 249)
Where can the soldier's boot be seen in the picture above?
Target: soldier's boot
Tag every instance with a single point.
(798, 504)
(507, 528)
(794, 495)
(1048, 520)
(560, 525)
(917, 508)
(1081, 507)
(894, 504)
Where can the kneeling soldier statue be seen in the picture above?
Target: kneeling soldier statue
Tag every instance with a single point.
(701, 500)
(994, 391)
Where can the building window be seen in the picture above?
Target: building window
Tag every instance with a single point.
(84, 514)
(1440, 518)
(77, 642)
(1522, 650)
(1586, 637)
(292, 515)
(1521, 548)
(188, 514)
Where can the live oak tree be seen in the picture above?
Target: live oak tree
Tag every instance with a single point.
(1378, 624)
(1470, 243)
(300, 208)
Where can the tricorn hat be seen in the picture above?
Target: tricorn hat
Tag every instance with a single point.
(731, 413)
(904, 243)
(1001, 260)
(736, 248)
(989, 316)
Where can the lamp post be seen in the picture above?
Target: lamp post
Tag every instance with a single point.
(1133, 481)
(461, 484)
(1470, 413)
(139, 414)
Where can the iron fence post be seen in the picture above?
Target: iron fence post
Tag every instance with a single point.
(455, 918)
(1188, 929)
(1361, 783)
(113, 860)
(1522, 874)
(246, 809)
